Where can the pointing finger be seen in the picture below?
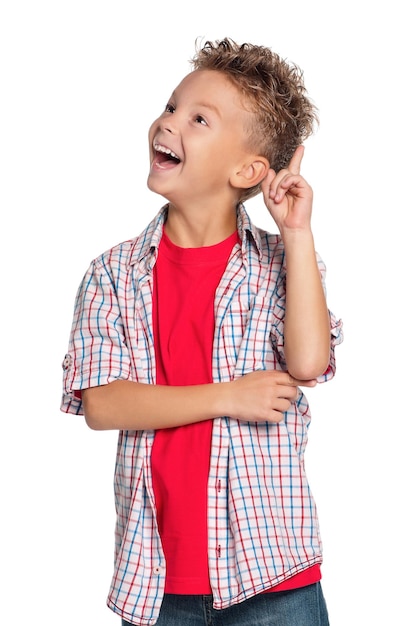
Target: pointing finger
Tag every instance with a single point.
(296, 160)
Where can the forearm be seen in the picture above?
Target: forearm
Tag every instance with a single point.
(307, 325)
(128, 405)
(125, 405)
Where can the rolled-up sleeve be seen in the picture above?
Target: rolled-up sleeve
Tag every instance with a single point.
(336, 327)
(97, 352)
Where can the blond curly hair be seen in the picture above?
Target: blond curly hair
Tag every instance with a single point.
(274, 91)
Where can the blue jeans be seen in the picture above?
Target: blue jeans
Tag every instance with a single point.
(298, 607)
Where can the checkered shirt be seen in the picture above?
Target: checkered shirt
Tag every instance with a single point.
(262, 519)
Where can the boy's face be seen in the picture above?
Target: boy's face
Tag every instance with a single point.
(199, 141)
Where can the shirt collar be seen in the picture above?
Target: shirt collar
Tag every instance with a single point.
(247, 231)
(144, 247)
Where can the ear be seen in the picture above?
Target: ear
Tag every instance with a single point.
(251, 173)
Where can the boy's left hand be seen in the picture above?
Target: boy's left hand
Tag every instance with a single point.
(288, 196)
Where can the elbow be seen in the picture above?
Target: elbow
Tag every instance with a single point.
(93, 422)
(93, 411)
(309, 369)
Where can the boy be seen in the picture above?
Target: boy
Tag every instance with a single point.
(192, 340)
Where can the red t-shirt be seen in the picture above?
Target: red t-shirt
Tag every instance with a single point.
(185, 281)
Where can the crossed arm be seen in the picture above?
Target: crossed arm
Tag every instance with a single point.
(127, 405)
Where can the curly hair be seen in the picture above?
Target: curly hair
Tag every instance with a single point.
(274, 91)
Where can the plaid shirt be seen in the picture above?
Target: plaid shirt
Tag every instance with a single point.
(262, 519)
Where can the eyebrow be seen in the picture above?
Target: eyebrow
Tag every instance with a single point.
(211, 107)
(205, 105)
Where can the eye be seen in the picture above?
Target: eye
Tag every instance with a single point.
(169, 108)
(201, 120)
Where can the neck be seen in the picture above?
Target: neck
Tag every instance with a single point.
(199, 230)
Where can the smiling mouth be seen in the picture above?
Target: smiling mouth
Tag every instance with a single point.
(164, 157)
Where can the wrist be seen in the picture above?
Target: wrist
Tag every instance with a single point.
(222, 403)
(296, 235)
(298, 243)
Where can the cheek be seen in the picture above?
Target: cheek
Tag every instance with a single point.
(152, 129)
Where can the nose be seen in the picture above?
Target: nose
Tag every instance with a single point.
(165, 123)
(168, 124)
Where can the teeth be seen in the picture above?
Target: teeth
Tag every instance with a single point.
(159, 148)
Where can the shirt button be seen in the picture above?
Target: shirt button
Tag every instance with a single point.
(67, 362)
(157, 569)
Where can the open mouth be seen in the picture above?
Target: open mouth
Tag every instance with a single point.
(164, 157)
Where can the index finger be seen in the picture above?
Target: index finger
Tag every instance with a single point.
(296, 160)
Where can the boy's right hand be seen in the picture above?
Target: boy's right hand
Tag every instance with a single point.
(264, 396)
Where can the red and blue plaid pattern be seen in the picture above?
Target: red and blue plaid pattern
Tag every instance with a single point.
(262, 520)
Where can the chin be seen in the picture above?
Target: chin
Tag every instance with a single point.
(154, 185)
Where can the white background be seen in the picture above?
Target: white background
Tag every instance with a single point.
(80, 83)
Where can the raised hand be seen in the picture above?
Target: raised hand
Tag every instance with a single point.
(288, 196)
